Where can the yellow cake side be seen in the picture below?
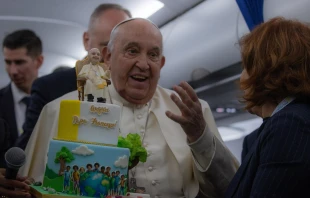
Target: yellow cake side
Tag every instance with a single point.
(67, 130)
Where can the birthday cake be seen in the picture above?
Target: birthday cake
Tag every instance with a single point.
(88, 158)
(83, 159)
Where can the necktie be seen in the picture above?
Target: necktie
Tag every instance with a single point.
(26, 101)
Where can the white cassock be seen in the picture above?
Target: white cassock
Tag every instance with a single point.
(173, 169)
(95, 83)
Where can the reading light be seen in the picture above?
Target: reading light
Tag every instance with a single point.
(220, 110)
(225, 110)
(146, 8)
(230, 110)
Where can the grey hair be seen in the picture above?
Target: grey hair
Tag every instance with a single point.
(104, 7)
(114, 31)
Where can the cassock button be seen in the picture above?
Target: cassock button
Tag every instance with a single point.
(150, 168)
(153, 182)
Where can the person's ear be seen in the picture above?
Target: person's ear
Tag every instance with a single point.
(39, 61)
(106, 55)
(162, 61)
(86, 41)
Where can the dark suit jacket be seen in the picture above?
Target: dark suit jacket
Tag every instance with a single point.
(4, 141)
(7, 112)
(43, 91)
(278, 163)
(248, 143)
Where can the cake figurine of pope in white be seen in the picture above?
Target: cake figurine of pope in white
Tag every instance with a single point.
(96, 78)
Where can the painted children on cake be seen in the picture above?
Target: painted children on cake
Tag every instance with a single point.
(102, 170)
(96, 78)
(67, 176)
(81, 181)
(107, 172)
(76, 179)
(96, 167)
(86, 172)
(117, 180)
(122, 185)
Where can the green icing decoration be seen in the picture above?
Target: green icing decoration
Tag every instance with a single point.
(134, 143)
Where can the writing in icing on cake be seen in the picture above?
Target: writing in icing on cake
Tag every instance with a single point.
(103, 124)
(79, 121)
(99, 110)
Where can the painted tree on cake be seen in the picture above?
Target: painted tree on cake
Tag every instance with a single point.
(63, 156)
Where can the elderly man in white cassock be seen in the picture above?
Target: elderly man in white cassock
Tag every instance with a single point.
(95, 77)
(187, 156)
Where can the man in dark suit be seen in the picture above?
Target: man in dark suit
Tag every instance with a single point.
(55, 85)
(23, 57)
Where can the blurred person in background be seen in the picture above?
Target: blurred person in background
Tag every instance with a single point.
(23, 57)
(61, 68)
(276, 85)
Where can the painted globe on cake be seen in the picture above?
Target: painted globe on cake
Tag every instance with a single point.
(94, 184)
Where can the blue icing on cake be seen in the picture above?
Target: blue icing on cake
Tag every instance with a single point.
(80, 164)
(77, 169)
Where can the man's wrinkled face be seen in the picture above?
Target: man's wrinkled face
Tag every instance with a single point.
(136, 60)
(21, 67)
(94, 55)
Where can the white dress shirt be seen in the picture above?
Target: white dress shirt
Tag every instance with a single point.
(19, 107)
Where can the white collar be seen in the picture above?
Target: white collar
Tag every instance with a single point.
(93, 64)
(18, 94)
